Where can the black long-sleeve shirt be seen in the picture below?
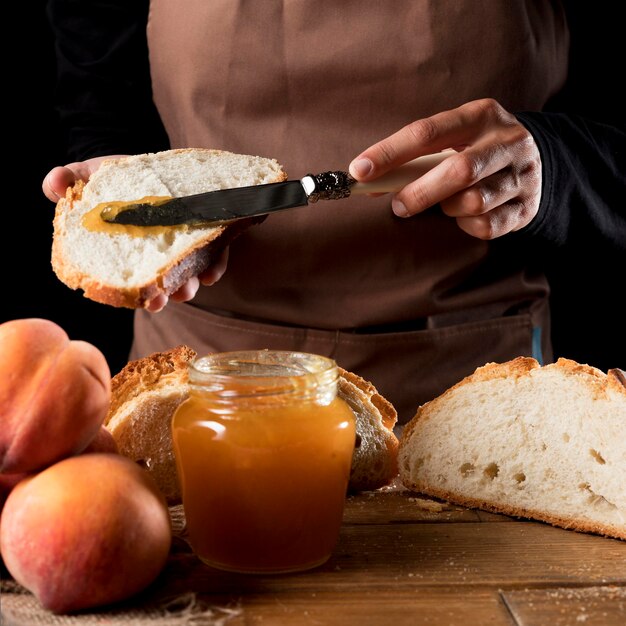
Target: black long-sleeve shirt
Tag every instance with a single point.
(579, 235)
(104, 95)
(583, 181)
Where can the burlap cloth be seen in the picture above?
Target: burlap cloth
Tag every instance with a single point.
(18, 607)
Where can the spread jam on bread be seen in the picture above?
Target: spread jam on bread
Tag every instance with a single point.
(92, 220)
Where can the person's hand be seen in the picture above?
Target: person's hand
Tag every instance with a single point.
(60, 178)
(188, 291)
(492, 186)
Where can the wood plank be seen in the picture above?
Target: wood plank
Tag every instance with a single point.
(396, 606)
(397, 562)
(400, 507)
(485, 516)
(386, 507)
(589, 606)
(394, 505)
(383, 557)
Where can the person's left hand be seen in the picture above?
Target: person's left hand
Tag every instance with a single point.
(60, 178)
(492, 186)
(188, 291)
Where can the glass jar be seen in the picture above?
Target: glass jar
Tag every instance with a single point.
(263, 450)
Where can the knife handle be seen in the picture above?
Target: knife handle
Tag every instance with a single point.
(400, 177)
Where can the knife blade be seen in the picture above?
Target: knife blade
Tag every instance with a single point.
(225, 205)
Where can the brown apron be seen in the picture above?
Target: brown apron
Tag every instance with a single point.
(412, 305)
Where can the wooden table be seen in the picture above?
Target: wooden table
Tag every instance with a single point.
(402, 559)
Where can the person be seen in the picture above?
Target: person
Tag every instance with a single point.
(409, 295)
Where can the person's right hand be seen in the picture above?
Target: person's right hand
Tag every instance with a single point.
(55, 185)
(60, 178)
(491, 186)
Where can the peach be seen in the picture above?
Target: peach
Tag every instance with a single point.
(54, 394)
(102, 442)
(87, 531)
(7, 482)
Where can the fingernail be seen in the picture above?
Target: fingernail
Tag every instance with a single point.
(46, 183)
(361, 167)
(208, 281)
(399, 209)
(157, 304)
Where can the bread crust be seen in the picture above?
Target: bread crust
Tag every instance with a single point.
(609, 530)
(145, 395)
(377, 465)
(522, 366)
(147, 391)
(598, 382)
(147, 373)
(388, 413)
(186, 265)
(169, 280)
(617, 380)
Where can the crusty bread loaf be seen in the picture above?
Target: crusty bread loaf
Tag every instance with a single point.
(119, 269)
(147, 391)
(547, 443)
(375, 459)
(144, 396)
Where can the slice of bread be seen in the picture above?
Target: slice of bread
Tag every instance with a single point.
(144, 396)
(120, 268)
(547, 443)
(375, 458)
(147, 391)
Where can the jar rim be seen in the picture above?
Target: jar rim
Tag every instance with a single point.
(262, 371)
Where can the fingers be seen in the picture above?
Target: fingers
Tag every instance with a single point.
(85, 169)
(506, 218)
(497, 205)
(58, 179)
(157, 304)
(215, 271)
(456, 173)
(188, 291)
(185, 293)
(449, 129)
(56, 182)
(491, 185)
(484, 196)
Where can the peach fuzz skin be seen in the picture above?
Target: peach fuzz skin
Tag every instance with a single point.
(54, 394)
(7, 483)
(102, 442)
(87, 531)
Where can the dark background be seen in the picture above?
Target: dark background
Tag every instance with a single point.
(588, 321)
(29, 286)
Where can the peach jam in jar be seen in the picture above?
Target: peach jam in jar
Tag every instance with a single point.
(263, 451)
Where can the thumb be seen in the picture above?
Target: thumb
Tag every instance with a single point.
(60, 178)
(56, 182)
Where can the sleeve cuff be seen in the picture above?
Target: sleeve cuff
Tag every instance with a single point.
(543, 227)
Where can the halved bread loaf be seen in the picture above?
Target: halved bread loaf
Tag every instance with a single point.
(129, 267)
(144, 396)
(547, 443)
(375, 459)
(147, 391)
